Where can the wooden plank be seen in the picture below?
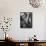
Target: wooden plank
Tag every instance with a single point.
(25, 44)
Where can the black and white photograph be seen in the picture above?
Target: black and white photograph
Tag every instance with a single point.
(25, 19)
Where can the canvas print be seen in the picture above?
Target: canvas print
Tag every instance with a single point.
(25, 19)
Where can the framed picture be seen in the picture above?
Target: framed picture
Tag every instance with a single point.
(25, 19)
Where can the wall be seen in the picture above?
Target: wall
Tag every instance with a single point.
(12, 8)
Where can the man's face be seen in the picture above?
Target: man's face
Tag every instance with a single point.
(27, 18)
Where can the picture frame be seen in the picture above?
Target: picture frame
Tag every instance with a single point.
(25, 19)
